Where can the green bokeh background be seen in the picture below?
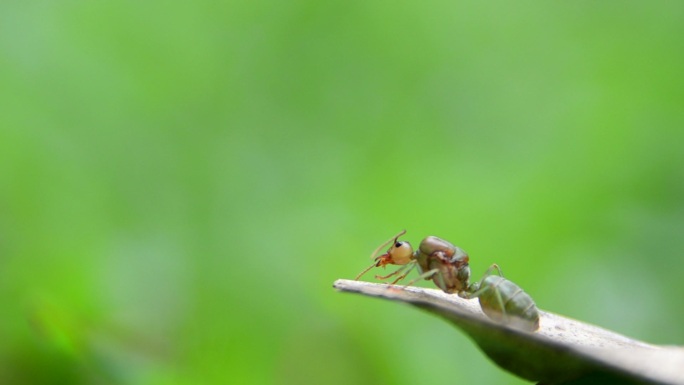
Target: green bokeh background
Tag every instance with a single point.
(181, 182)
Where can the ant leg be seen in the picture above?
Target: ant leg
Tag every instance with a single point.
(478, 290)
(476, 293)
(502, 305)
(399, 270)
(496, 267)
(425, 275)
(365, 271)
(499, 299)
(413, 265)
(474, 287)
(497, 294)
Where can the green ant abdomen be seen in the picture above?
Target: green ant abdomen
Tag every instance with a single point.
(504, 301)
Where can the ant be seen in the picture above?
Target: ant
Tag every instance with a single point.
(447, 266)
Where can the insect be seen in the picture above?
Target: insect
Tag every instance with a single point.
(437, 259)
(447, 266)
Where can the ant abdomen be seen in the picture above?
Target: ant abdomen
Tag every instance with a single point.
(504, 301)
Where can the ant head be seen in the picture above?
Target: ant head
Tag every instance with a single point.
(400, 253)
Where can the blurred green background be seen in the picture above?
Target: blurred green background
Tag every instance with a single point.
(181, 182)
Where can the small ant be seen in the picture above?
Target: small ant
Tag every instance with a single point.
(447, 266)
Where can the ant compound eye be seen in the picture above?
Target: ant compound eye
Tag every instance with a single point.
(398, 244)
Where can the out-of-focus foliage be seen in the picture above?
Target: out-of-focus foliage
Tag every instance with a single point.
(181, 182)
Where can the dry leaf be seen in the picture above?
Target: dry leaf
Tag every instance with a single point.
(563, 350)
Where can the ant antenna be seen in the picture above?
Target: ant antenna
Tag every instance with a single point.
(377, 251)
(391, 240)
